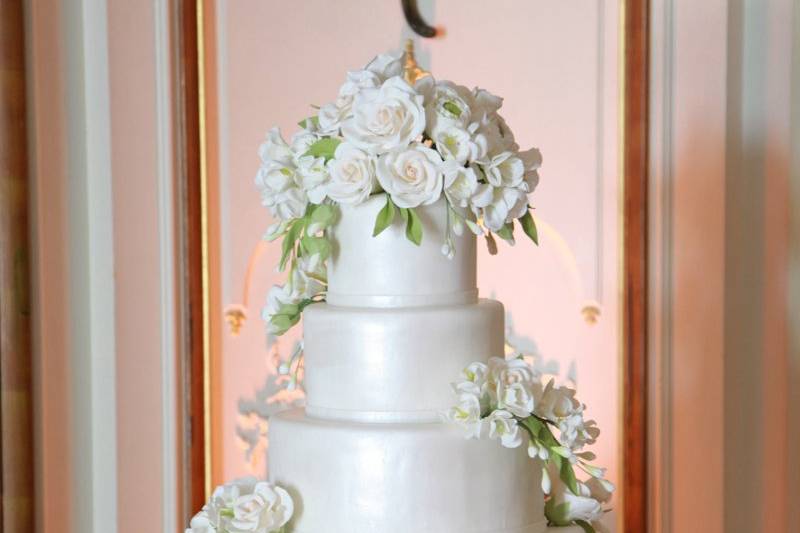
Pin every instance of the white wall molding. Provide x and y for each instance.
(660, 201)
(91, 304)
(167, 275)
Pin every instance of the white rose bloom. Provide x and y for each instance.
(460, 183)
(514, 384)
(308, 278)
(505, 170)
(275, 149)
(485, 103)
(532, 159)
(277, 179)
(467, 414)
(266, 509)
(386, 66)
(386, 118)
(499, 205)
(412, 177)
(280, 192)
(499, 137)
(503, 426)
(454, 142)
(313, 176)
(476, 373)
(578, 506)
(201, 523)
(301, 142)
(556, 402)
(333, 114)
(445, 102)
(277, 297)
(352, 173)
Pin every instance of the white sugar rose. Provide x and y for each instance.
(201, 523)
(301, 142)
(499, 205)
(460, 183)
(485, 103)
(445, 102)
(308, 277)
(503, 426)
(268, 508)
(505, 170)
(386, 66)
(386, 118)
(275, 149)
(467, 414)
(332, 115)
(455, 142)
(556, 403)
(352, 175)
(514, 384)
(280, 192)
(277, 179)
(532, 160)
(313, 177)
(564, 507)
(412, 177)
(277, 297)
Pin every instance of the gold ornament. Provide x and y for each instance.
(411, 70)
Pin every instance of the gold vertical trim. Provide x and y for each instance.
(204, 245)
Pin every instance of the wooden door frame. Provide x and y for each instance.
(17, 497)
(635, 485)
(634, 128)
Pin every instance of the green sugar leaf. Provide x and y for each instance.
(324, 147)
(384, 218)
(310, 121)
(316, 245)
(414, 227)
(321, 218)
(586, 526)
(529, 227)
(507, 232)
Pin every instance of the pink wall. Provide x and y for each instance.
(49, 279)
(136, 259)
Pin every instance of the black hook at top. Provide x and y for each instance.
(415, 20)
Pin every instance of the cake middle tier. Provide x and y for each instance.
(393, 365)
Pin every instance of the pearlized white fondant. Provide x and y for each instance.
(348, 477)
(386, 365)
(389, 270)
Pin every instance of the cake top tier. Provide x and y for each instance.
(438, 156)
(388, 270)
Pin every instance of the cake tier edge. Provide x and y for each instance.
(348, 477)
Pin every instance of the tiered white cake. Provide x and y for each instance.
(370, 454)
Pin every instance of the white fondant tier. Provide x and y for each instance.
(393, 365)
(389, 270)
(348, 477)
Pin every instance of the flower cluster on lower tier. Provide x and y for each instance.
(506, 400)
(417, 143)
(244, 506)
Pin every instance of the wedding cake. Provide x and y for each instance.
(371, 452)
(418, 416)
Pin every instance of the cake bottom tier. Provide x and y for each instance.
(390, 478)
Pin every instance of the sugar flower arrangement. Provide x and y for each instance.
(506, 400)
(414, 143)
(245, 505)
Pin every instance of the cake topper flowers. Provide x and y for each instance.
(416, 144)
